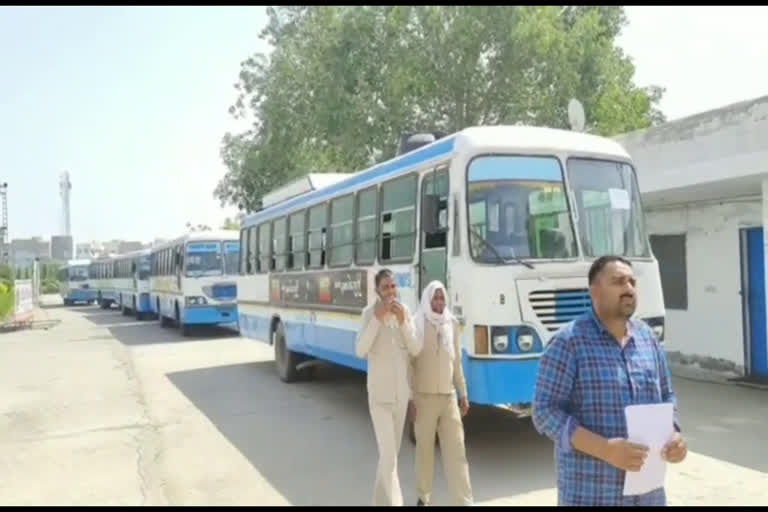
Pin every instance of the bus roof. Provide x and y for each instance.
(491, 138)
(77, 263)
(133, 254)
(202, 236)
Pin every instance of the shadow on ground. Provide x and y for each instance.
(129, 331)
(313, 441)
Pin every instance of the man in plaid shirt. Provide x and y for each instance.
(591, 370)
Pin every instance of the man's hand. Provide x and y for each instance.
(463, 405)
(626, 455)
(381, 311)
(675, 450)
(398, 311)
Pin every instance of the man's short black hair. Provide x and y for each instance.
(381, 274)
(601, 262)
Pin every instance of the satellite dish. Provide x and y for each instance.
(576, 115)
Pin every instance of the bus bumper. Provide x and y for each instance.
(81, 295)
(501, 382)
(144, 305)
(212, 315)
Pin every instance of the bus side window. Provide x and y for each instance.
(366, 227)
(318, 218)
(297, 241)
(341, 241)
(265, 241)
(243, 251)
(252, 249)
(279, 239)
(398, 219)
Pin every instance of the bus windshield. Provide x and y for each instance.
(78, 273)
(610, 216)
(231, 257)
(518, 209)
(203, 259)
(145, 266)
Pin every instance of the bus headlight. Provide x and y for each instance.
(500, 342)
(525, 342)
(196, 301)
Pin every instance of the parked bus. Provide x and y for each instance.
(74, 283)
(193, 280)
(102, 274)
(508, 217)
(132, 283)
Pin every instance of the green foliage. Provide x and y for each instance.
(231, 224)
(343, 82)
(49, 286)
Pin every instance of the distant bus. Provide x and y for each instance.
(193, 280)
(102, 274)
(510, 218)
(131, 283)
(74, 283)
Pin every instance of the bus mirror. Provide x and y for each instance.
(429, 214)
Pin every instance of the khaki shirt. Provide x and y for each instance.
(432, 371)
(386, 346)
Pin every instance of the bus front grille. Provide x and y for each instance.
(555, 308)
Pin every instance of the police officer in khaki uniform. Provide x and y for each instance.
(387, 338)
(436, 378)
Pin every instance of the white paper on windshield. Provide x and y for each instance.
(619, 198)
(653, 426)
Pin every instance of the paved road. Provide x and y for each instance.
(102, 409)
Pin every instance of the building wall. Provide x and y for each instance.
(710, 332)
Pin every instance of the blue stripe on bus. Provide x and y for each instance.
(419, 156)
(209, 315)
(489, 382)
(81, 294)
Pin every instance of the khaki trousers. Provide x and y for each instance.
(388, 423)
(440, 414)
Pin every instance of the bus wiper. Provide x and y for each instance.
(496, 252)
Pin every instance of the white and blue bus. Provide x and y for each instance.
(102, 275)
(74, 283)
(131, 283)
(193, 280)
(508, 217)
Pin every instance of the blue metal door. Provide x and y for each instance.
(758, 346)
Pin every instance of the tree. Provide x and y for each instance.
(198, 227)
(231, 224)
(342, 83)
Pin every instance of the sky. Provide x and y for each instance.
(132, 101)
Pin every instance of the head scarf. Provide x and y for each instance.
(443, 322)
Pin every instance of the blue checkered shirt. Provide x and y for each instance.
(586, 379)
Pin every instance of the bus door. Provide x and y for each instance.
(433, 241)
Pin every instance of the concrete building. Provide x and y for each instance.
(704, 185)
(25, 250)
(62, 248)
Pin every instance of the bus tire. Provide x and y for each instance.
(164, 321)
(186, 330)
(285, 360)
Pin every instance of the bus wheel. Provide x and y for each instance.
(285, 360)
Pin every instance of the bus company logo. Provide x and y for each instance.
(274, 290)
(324, 290)
(403, 280)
